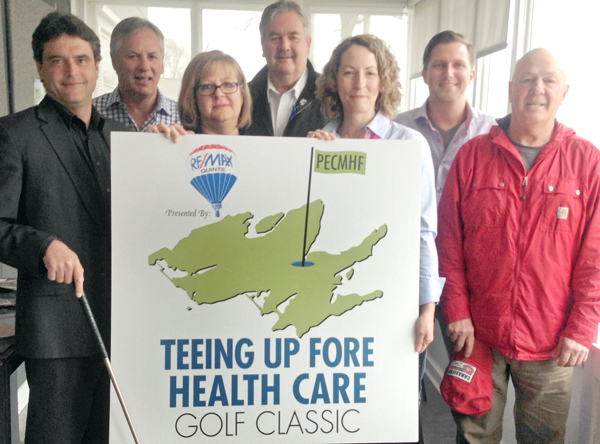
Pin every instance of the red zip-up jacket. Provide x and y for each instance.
(521, 250)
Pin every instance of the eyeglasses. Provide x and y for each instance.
(209, 89)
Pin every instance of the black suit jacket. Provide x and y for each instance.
(309, 115)
(47, 191)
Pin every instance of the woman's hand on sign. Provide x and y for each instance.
(173, 132)
(320, 134)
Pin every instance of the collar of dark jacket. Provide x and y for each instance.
(50, 105)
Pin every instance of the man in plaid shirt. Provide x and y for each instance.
(137, 51)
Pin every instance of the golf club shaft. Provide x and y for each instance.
(92, 321)
(121, 400)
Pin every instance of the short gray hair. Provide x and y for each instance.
(127, 27)
(281, 7)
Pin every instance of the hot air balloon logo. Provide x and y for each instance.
(212, 170)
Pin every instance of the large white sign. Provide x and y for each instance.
(265, 290)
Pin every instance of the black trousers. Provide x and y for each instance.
(69, 401)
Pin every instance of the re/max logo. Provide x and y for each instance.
(209, 159)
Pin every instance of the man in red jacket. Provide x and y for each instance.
(519, 245)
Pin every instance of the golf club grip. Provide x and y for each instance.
(92, 321)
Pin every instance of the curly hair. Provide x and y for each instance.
(200, 66)
(389, 98)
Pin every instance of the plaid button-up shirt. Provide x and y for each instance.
(111, 105)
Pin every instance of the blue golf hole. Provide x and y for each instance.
(306, 264)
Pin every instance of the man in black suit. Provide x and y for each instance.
(54, 224)
(284, 101)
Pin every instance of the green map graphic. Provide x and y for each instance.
(219, 262)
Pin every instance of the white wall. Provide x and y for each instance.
(25, 17)
(3, 80)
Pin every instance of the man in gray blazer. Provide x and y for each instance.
(54, 224)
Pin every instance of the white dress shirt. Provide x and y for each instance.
(430, 283)
(283, 106)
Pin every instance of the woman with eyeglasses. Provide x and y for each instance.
(214, 98)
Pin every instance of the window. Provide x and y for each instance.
(235, 33)
(490, 91)
(417, 94)
(328, 33)
(331, 29)
(560, 29)
(175, 26)
(234, 30)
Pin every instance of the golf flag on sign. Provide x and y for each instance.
(340, 162)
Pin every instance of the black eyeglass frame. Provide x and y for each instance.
(198, 88)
